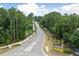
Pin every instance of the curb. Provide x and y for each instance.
(21, 42)
(43, 46)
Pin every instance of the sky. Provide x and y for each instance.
(40, 9)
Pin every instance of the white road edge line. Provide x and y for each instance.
(43, 46)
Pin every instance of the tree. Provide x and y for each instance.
(30, 16)
(13, 26)
(74, 39)
(50, 19)
(61, 26)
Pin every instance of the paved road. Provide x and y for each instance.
(32, 47)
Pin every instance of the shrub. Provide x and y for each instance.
(66, 50)
(58, 50)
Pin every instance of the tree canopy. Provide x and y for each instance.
(14, 26)
(62, 26)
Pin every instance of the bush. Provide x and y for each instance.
(8, 41)
(66, 50)
(58, 50)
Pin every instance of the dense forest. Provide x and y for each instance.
(63, 27)
(14, 26)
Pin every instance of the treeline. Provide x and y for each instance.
(14, 26)
(63, 27)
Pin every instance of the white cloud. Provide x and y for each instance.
(33, 8)
(43, 9)
(70, 9)
(1, 6)
(28, 8)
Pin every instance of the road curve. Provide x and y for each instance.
(32, 47)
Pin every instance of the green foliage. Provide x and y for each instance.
(62, 26)
(66, 50)
(14, 25)
(58, 42)
(50, 19)
(74, 39)
(8, 41)
(58, 50)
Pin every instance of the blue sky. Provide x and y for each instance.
(43, 8)
(54, 5)
(48, 5)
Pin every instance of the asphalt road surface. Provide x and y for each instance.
(32, 47)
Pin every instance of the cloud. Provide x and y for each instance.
(33, 8)
(1, 6)
(43, 9)
(69, 9)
